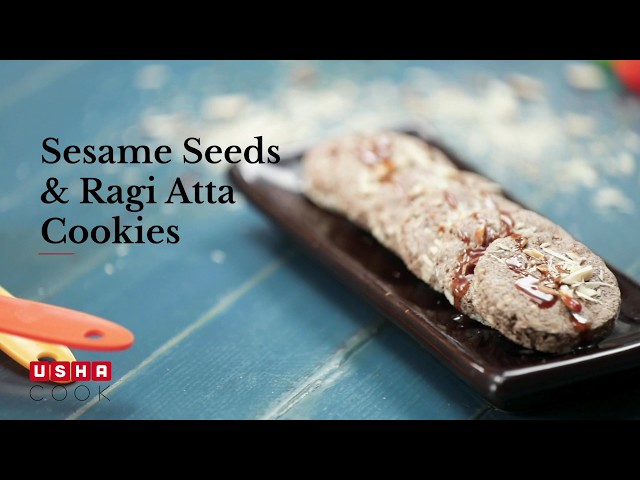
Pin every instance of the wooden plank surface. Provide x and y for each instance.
(234, 321)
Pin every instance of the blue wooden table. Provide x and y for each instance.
(235, 321)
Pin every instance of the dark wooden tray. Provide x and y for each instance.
(504, 373)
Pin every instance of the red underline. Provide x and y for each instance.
(56, 253)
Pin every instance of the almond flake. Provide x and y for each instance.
(581, 275)
(532, 252)
(587, 297)
(571, 267)
(555, 254)
(597, 284)
(587, 291)
(479, 234)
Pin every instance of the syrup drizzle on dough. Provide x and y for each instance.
(543, 290)
(442, 221)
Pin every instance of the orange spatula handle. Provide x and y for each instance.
(50, 323)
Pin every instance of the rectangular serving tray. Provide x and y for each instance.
(507, 375)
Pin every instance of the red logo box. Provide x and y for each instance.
(60, 371)
(79, 371)
(39, 371)
(101, 371)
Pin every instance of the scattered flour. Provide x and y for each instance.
(507, 124)
(608, 199)
(585, 76)
(218, 256)
(152, 77)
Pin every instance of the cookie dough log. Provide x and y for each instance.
(457, 232)
(564, 294)
(368, 178)
(466, 216)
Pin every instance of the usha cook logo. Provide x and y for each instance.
(79, 371)
(61, 329)
(67, 372)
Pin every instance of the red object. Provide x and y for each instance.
(81, 371)
(101, 371)
(53, 324)
(628, 72)
(98, 371)
(60, 371)
(39, 371)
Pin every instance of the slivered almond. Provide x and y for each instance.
(581, 275)
(571, 267)
(532, 252)
(587, 297)
(593, 283)
(555, 254)
(587, 291)
(479, 234)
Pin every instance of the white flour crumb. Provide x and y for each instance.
(161, 126)
(579, 125)
(152, 77)
(598, 148)
(578, 172)
(122, 250)
(109, 269)
(632, 142)
(622, 164)
(504, 127)
(224, 107)
(218, 256)
(304, 75)
(525, 87)
(607, 199)
(584, 76)
(626, 163)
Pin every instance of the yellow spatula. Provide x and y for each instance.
(24, 350)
